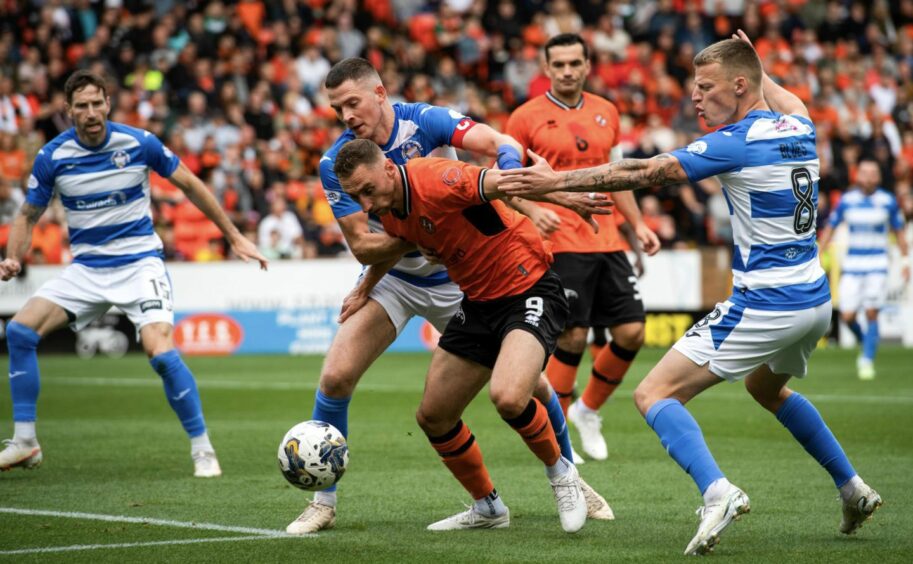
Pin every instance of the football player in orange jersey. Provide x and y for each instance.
(512, 312)
(574, 129)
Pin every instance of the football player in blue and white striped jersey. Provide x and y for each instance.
(766, 160)
(869, 212)
(100, 170)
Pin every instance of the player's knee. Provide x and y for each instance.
(337, 383)
(766, 395)
(630, 337)
(644, 397)
(432, 423)
(573, 340)
(19, 336)
(509, 403)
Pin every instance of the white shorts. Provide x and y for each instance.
(862, 291)
(401, 300)
(142, 290)
(736, 340)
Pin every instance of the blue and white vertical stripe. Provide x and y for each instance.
(104, 191)
(869, 218)
(768, 166)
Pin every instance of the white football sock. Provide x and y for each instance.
(24, 432)
(201, 443)
(563, 466)
(325, 498)
(847, 489)
(490, 505)
(716, 490)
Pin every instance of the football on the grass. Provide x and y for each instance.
(313, 455)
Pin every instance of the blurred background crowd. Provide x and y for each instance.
(235, 89)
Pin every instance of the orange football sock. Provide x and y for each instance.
(562, 375)
(595, 350)
(609, 370)
(536, 429)
(462, 456)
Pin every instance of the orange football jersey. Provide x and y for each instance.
(489, 250)
(570, 138)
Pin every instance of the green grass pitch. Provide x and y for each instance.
(113, 447)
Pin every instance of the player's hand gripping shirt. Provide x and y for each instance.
(768, 166)
(489, 250)
(105, 192)
(569, 138)
(868, 219)
(418, 131)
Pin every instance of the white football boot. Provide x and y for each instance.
(19, 455)
(572, 508)
(316, 517)
(205, 464)
(589, 425)
(859, 508)
(715, 518)
(471, 519)
(596, 505)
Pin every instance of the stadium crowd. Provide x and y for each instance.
(235, 89)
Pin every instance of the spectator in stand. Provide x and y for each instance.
(281, 219)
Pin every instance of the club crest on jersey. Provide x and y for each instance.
(698, 147)
(120, 159)
(451, 176)
(601, 121)
(783, 124)
(427, 225)
(411, 149)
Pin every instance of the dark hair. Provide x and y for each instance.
(82, 78)
(354, 154)
(735, 57)
(566, 39)
(353, 68)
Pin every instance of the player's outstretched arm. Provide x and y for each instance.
(778, 98)
(584, 205)
(626, 174)
(368, 247)
(20, 239)
(201, 197)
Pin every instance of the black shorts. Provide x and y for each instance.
(601, 289)
(476, 331)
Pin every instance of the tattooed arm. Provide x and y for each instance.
(20, 239)
(626, 174)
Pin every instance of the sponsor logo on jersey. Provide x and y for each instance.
(601, 121)
(150, 304)
(120, 158)
(451, 176)
(33, 182)
(117, 198)
(427, 225)
(698, 147)
(411, 149)
(333, 197)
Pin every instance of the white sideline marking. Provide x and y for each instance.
(239, 385)
(143, 521)
(76, 547)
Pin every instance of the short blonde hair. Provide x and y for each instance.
(735, 56)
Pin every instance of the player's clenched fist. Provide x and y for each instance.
(9, 268)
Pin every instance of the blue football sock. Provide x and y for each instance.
(559, 424)
(24, 382)
(181, 391)
(857, 331)
(870, 341)
(683, 440)
(334, 411)
(805, 423)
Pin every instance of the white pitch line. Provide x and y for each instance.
(144, 521)
(76, 547)
(282, 386)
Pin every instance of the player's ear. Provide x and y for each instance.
(380, 92)
(741, 85)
